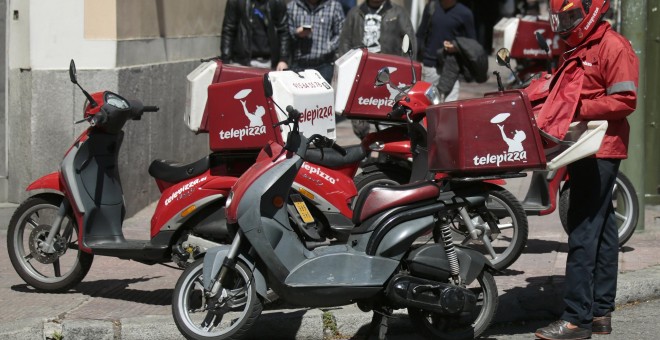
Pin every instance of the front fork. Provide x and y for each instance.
(48, 246)
(227, 264)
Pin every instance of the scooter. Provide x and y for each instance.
(521, 36)
(400, 160)
(77, 212)
(323, 193)
(447, 289)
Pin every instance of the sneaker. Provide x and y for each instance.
(602, 324)
(559, 330)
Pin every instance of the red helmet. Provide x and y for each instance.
(573, 20)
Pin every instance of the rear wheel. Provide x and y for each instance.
(28, 229)
(437, 326)
(503, 248)
(229, 315)
(624, 200)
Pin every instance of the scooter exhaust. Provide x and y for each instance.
(409, 291)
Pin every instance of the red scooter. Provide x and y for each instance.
(402, 150)
(521, 36)
(53, 236)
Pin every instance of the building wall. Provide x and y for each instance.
(137, 48)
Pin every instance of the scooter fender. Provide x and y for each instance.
(50, 182)
(213, 260)
(472, 263)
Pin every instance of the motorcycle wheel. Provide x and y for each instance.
(436, 326)
(231, 319)
(508, 212)
(28, 228)
(624, 200)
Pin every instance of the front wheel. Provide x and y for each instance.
(28, 229)
(228, 315)
(624, 200)
(436, 326)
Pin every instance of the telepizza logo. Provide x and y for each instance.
(514, 153)
(380, 101)
(317, 171)
(256, 127)
(185, 190)
(310, 115)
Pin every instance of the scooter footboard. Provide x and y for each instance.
(215, 257)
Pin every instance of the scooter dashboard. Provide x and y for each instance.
(116, 101)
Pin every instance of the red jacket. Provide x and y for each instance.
(604, 71)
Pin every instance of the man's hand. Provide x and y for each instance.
(281, 66)
(303, 32)
(449, 47)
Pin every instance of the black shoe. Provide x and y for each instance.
(602, 324)
(559, 330)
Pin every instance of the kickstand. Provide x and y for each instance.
(378, 326)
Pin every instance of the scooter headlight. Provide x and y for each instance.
(433, 95)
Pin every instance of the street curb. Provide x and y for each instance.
(541, 302)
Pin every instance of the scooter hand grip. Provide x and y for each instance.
(339, 149)
(151, 108)
(293, 113)
(397, 112)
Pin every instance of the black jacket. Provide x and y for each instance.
(471, 61)
(236, 32)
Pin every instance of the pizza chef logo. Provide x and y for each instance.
(256, 127)
(514, 139)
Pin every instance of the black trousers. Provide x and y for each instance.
(593, 241)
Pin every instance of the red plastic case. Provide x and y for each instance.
(494, 134)
(240, 117)
(356, 95)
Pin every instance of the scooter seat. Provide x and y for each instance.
(174, 172)
(332, 159)
(382, 197)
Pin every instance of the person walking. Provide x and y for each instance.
(442, 22)
(597, 81)
(315, 26)
(254, 33)
(378, 25)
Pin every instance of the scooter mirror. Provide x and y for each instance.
(503, 57)
(405, 44)
(72, 72)
(383, 77)
(542, 43)
(268, 86)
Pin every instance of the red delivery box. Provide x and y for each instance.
(211, 72)
(356, 97)
(240, 117)
(490, 135)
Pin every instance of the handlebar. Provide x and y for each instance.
(151, 108)
(293, 117)
(397, 112)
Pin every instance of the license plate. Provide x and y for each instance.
(302, 208)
